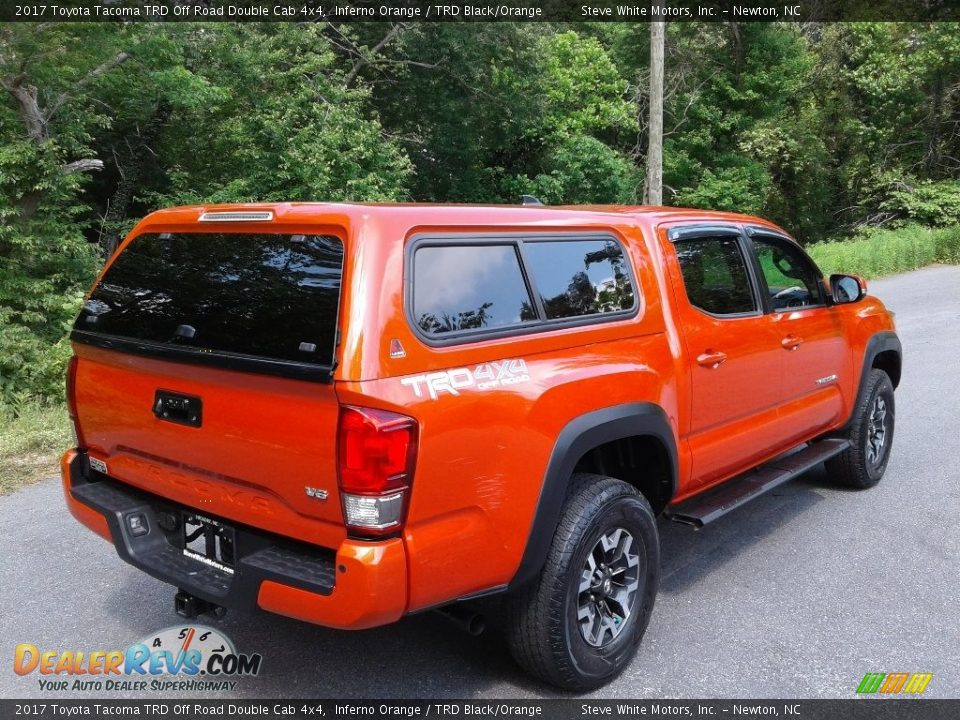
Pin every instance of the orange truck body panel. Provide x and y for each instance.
(481, 459)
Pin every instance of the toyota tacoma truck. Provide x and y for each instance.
(348, 413)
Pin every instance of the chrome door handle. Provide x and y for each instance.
(711, 358)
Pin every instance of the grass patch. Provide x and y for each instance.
(31, 443)
(879, 252)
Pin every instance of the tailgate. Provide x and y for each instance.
(204, 374)
(262, 441)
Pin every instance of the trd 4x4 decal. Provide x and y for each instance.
(485, 376)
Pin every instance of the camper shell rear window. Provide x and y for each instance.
(260, 302)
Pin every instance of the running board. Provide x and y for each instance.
(729, 495)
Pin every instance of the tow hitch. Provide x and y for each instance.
(190, 606)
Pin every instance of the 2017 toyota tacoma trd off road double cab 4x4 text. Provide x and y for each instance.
(349, 413)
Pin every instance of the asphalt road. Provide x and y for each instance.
(798, 594)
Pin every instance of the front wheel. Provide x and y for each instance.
(580, 623)
(871, 436)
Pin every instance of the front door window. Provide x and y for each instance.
(791, 280)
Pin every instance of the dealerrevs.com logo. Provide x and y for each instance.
(191, 658)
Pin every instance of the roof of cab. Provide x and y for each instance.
(443, 213)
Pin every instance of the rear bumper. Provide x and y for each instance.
(358, 585)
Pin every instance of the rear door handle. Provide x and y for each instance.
(791, 342)
(711, 358)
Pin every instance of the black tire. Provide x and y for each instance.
(860, 466)
(542, 628)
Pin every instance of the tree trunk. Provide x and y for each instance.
(655, 146)
(739, 55)
(33, 117)
(933, 159)
(37, 121)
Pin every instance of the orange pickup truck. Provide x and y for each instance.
(348, 413)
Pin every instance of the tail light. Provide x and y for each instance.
(377, 454)
(72, 400)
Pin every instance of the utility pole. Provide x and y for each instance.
(655, 146)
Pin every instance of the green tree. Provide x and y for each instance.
(50, 75)
(492, 111)
(279, 123)
(891, 91)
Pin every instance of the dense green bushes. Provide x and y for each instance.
(46, 267)
(929, 203)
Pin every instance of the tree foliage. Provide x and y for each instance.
(274, 122)
(827, 129)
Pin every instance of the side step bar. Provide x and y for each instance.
(716, 502)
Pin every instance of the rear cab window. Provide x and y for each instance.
(258, 302)
(491, 287)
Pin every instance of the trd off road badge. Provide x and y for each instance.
(396, 349)
(485, 376)
(192, 658)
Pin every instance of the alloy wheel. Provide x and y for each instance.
(877, 427)
(608, 587)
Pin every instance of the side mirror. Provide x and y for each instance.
(847, 288)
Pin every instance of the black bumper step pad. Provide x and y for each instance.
(153, 545)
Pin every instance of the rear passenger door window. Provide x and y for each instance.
(469, 287)
(715, 275)
(577, 278)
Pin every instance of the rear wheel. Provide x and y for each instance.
(580, 623)
(871, 436)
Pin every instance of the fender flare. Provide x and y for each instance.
(884, 341)
(579, 436)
